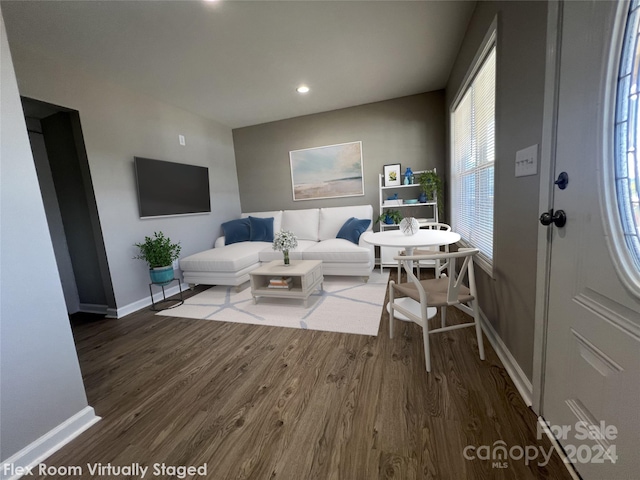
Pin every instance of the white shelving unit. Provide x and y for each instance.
(427, 211)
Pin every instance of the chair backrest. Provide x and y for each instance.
(443, 227)
(436, 226)
(455, 276)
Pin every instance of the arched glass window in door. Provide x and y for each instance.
(627, 134)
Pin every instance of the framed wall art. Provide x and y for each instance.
(327, 172)
(392, 176)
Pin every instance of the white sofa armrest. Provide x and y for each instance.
(219, 242)
(370, 247)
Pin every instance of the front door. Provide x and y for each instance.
(591, 382)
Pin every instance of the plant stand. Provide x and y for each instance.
(164, 297)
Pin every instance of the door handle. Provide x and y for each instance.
(558, 218)
(562, 181)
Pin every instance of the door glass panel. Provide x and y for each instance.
(627, 129)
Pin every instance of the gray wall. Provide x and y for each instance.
(74, 208)
(408, 130)
(508, 300)
(54, 217)
(40, 376)
(117, 125)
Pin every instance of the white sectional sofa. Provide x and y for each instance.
(316, 230)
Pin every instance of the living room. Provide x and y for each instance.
(249, 168)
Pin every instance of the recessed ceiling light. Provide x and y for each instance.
(302, 89)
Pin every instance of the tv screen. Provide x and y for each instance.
(168, 188)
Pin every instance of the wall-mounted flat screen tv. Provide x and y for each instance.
(168, 188)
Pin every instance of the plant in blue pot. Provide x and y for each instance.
(390, 217)
(432, 188)
(159, 253)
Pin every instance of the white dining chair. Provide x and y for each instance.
(435, 264)
(447, 290)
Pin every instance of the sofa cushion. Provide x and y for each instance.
(353, 228)
(261, 229)
(236, 231)
(303, 223)
(230, 258)
(333, 218)
(276, 214)
(337, 250)
(269, 254)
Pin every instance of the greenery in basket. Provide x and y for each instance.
(431, 185)
(394, 215)
(158, 251)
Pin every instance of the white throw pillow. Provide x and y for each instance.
(303, 223)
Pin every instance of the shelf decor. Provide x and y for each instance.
(327, 172)
(431, 185)
(390, 217)
(408, 206)
(409, 226)
(392, 175)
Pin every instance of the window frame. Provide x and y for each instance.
(489, 43)
(621, 256)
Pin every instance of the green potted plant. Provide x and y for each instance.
(431, 185)
(159, 253)
(390, 217)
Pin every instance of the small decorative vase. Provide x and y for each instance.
(286, 257)
(408, 174)
(388, 220)
(409, 226)
(422, 198)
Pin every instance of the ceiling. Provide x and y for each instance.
(239, 62)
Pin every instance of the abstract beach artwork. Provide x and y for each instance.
(327, 172)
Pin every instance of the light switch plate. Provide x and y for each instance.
(181, 139)
(527, 161)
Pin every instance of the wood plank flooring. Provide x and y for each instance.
(254, 402)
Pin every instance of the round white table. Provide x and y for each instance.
(422, 238)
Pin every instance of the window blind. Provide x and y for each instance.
(473, 157)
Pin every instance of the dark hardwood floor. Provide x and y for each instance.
(256, 402)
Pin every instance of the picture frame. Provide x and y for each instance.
(327, 172)
(392, 175)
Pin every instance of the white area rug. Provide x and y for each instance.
(345, 305)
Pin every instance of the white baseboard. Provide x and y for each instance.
(49, 443)
(93, 308)
(561, 453)
(145, 302)
(523, 384)
(105, 310)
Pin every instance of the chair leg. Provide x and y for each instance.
(425, 338)
(443, 317)
(391, 312)
(476, 317)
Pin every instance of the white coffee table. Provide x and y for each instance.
(306, 277)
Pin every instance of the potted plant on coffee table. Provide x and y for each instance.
(159, 253)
